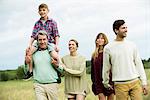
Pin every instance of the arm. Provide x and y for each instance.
(92, 71)
(56, 61)
(57, 66)
(55, 55)
(56, 35)
(106, 68)
(55, 32)
(28, 61)
(34, 33)
(28, 56)
(56, 40)
(76, 72)
(31, 42)
(140, 67)
(141, 71)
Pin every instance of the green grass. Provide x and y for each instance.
(23, 90)
(16, 90)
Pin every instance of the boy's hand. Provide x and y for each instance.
(28, 52)
(29, 47)
(28, 56)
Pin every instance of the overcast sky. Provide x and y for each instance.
(78, 19)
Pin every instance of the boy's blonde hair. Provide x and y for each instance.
(43, 6)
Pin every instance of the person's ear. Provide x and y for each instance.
(116, 31)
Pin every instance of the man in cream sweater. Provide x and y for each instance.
(122, 58)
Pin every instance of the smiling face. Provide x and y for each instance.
(42, 41)
(122, 31)
(72, 46)
(100, 40)
(43, 12)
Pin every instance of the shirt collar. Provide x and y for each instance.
(39, 49)
(48, 19)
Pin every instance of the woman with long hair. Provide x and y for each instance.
(96, 69)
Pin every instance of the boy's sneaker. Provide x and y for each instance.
(28, 75)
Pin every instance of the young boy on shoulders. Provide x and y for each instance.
(47, 25)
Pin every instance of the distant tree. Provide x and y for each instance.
(4, 76)
(20, 72)
(148, 60)
(143, 61)
(88, 63)
(146, 63)
(88, 67)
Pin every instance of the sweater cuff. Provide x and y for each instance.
(60, 68)
(144, 82)
(107, 85)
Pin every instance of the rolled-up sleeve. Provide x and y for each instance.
(55, 29)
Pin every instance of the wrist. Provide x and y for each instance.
(107, 86)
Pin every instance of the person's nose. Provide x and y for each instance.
(70, 46)
(126, 29)
(42, 41)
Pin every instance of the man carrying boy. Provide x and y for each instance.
(48, 25)
(45, 76)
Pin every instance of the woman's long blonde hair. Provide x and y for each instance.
(98, 48)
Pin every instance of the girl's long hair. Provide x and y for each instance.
(98, 48)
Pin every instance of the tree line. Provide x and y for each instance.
(19, 73)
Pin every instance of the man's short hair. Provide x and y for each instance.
(42, 32)
(76, 42)
(117, 24)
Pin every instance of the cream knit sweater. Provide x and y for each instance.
(123, 59)
(75, 74)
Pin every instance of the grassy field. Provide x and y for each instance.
(23, 90)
